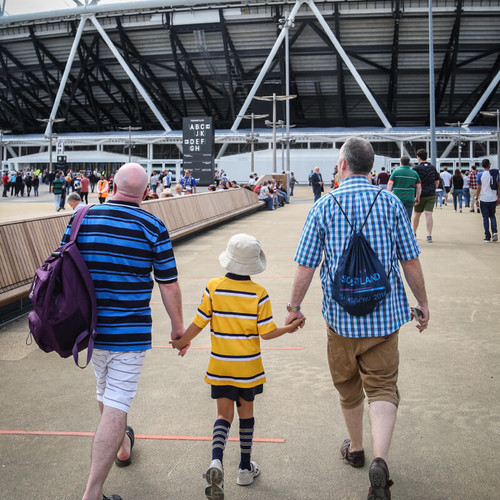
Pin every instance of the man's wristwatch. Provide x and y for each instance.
(289, 308)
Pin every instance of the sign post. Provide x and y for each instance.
(198, 148)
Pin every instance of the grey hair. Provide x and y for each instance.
(358, 154)
(74, 197)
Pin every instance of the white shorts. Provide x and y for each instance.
(117, 376)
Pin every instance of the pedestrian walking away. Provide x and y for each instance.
(429, 178)
(121, 244)
(457, 183)
(317, 184)
(473, 188)
(239, 313)
(405, 184)
(488, 198)
(446, 176)
(362, 350)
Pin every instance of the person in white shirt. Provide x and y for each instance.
(488, 197)
(446, 176)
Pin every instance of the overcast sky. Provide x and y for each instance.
(28, 6)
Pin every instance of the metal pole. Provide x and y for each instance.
(50, 143)
(283, 147)
(274, 133)
(432, 98)
(130, 143)
(459, 148)
(287, 92)
(251, 146)
(498, 139)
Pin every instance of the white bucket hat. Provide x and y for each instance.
(243, 255)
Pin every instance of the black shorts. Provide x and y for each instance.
(235, 393)
(447, 189)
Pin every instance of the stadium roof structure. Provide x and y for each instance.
(202, 57)
(150, 63)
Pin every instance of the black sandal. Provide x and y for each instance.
(125, 463)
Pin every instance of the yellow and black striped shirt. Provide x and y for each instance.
(239, 311)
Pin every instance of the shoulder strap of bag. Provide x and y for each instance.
(367, 215)
(77, 221)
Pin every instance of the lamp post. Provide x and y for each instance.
(274, 98)
(51, 122)
(497, 114)
(1, 144)
(284, 140)
(459, 125)
(130, 128)
(253, 137)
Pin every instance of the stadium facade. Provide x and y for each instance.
(354, 67)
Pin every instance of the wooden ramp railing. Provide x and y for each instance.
(25, 244)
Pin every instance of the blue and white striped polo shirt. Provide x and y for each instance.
(122, 245)
(389, 233)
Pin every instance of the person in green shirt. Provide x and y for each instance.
(406, 185)
(57, 189)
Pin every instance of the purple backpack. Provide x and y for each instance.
(64, 315)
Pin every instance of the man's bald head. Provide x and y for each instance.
(130, 182)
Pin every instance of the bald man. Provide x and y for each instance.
(121, 244)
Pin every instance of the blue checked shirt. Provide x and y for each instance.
(390, 235)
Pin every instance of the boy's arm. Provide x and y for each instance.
(278, 332)
(191, 332)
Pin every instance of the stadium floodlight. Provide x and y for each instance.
(459, 126)
(51, 122)
(130, 146)
(253, 136)
(274, 98)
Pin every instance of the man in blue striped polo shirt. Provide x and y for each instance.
(122, 245)
(362, 350)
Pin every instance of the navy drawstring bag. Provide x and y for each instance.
(360, 282)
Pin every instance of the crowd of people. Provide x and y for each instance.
(422, 188)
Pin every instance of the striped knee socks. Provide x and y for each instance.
(219, 438)
(246, 438)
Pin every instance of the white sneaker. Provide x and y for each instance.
(215, 479)
(246, 477)
(495, 237)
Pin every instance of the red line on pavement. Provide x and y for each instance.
(189, 303)
(138, 436)
(262, 348)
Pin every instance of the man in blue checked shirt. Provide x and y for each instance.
(362, 350)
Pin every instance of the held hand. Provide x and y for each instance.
(297, 323)
(291, 316)
(422, 316)
(176, 344)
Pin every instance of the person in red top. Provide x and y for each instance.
(383, 179)
(84, 188)
(473, 188)
(5, 180)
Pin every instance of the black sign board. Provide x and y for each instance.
(198, 148)
(61, 159)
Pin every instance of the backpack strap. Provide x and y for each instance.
(77, 221)
(370, 211)
(342, 210)
(367, 215)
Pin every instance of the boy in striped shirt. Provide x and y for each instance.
(239, 312)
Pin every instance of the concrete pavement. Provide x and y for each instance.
(448, 430)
